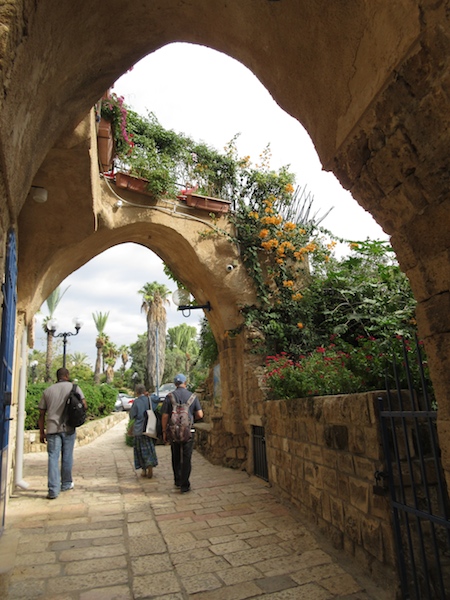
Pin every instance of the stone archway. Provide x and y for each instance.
(175, 232)
(369, 84)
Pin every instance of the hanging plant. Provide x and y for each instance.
(113, 109)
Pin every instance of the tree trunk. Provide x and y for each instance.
(109, 374)
(48, 357)
(156, 345)
(98, 363)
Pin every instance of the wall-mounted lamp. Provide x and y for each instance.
(39, 194)
(181, 299)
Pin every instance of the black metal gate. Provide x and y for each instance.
(259, 453)
(417, 486)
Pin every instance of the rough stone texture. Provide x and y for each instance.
(85, 434)
(344, 507)
(371, 86)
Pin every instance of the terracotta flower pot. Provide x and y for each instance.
(134, 184)
(105, 144)
(215, 205)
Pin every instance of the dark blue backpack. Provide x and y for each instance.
(74, 410)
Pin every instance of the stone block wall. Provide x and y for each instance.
(322, 455)
(85, 434)
(218, 445)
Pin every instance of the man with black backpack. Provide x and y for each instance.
(179, 411)
(58, 434)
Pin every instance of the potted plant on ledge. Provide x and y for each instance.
(112, 137)
(140, 164)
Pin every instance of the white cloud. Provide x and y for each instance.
(110, 283)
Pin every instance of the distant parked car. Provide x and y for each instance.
(123, 402)
(165, 389)
(157, 400)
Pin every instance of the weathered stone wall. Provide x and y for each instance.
(85, 434)
(371, 86)
(224, 437)
(322, 455)
(212, 439)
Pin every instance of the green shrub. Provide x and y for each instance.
(129, 439)
(322, 372)
(100, 400)
(341, 368)
(34, 393)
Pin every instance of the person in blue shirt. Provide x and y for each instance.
(144, 447)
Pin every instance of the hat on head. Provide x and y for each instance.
(180, 378)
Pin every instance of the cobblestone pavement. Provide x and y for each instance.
(118, 536)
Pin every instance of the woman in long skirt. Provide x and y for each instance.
(144, 447)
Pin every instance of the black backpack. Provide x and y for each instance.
(74, 411)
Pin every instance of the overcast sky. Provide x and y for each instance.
(210, 97)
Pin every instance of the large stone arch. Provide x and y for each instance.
(368, 81)
(82, 218)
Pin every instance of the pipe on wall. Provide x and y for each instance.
(18, 480)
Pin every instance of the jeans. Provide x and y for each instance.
(181, 463)
(60, 443)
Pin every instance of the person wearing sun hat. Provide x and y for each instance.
(181, 451)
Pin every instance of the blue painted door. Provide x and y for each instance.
(9, 291)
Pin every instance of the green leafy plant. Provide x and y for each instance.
(100, 400)
(341, 368)
(113, 109)
(129, 439)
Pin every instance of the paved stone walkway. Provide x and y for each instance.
(118, 536)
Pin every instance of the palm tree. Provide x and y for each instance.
(154, 295)
(52, 303)
(80, 367)
(125, 356)
(78, 359)
(100, 323)
(110, 355)
(183, 337)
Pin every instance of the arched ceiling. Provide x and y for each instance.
(323, 62)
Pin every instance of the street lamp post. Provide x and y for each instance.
(33, 365)
(135, 378)
(52, 326)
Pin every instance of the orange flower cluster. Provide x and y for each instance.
(253, 215)
(311, 247)
(288, 283)
(269, 244)
(289, 226)
(300, 253)
(263, 233)
(273, 220)
(286, 245)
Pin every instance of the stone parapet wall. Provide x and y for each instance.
(85, 434)
(322, 455)
(221, 447)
